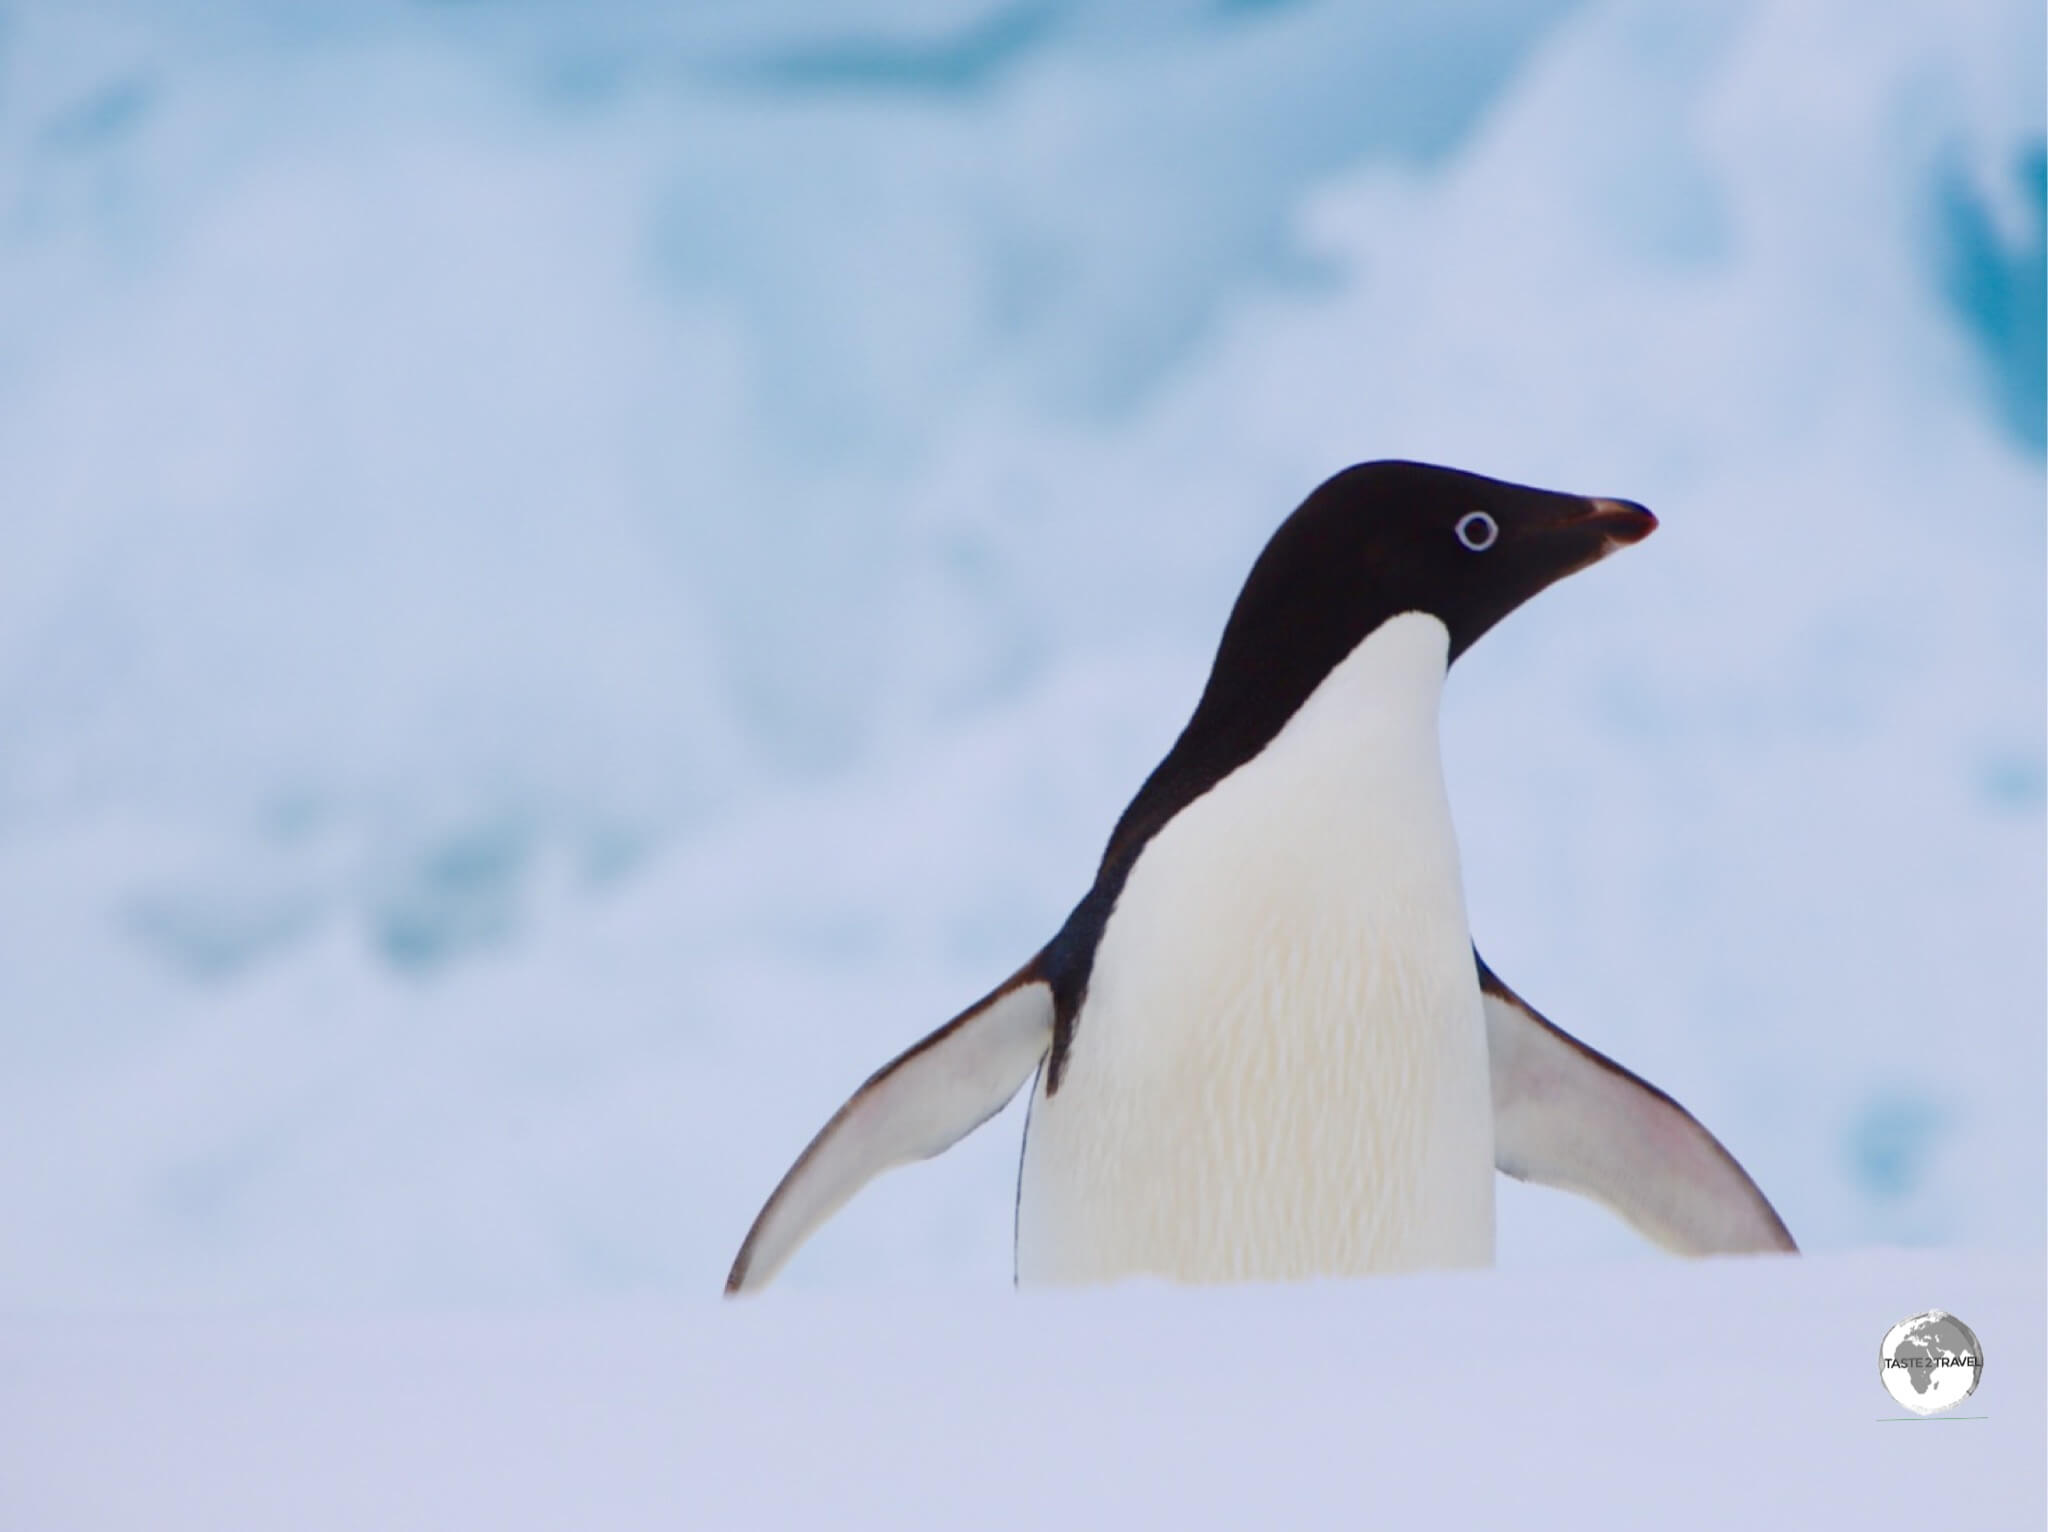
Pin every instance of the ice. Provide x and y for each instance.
(572, 581)
(1729, 1393)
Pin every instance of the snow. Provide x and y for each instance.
(1674, 1395)
(575, 579)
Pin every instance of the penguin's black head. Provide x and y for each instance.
(1381, 539)
(1372, 543)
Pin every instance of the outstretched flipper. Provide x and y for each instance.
(925, 1100)
(1566, 1116)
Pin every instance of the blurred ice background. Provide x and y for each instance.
(573, 577)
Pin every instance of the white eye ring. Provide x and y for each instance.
(1478, 531)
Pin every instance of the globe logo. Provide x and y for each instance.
(1931, 1362)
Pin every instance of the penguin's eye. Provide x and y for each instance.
(1477, 531)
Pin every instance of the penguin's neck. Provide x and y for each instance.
(1372, 723)
(1350, 793)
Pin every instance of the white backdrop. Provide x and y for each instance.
(574, 580)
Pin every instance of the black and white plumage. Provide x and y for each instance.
(1264, 1044)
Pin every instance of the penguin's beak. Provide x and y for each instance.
(1583, 532)
(1619, 523)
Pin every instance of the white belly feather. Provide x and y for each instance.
(1281, 1066)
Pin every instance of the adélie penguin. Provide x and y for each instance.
(1264, 1044)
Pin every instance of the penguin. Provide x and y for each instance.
(1263, 1046)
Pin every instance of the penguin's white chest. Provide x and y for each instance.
(1280, 1069)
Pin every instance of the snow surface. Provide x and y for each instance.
(1720, 1394)
(571, 579)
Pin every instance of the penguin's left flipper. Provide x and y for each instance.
(1566, 1116)
(925, 1100)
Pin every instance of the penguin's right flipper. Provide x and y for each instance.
(1566, 1116)
(919, 1103)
